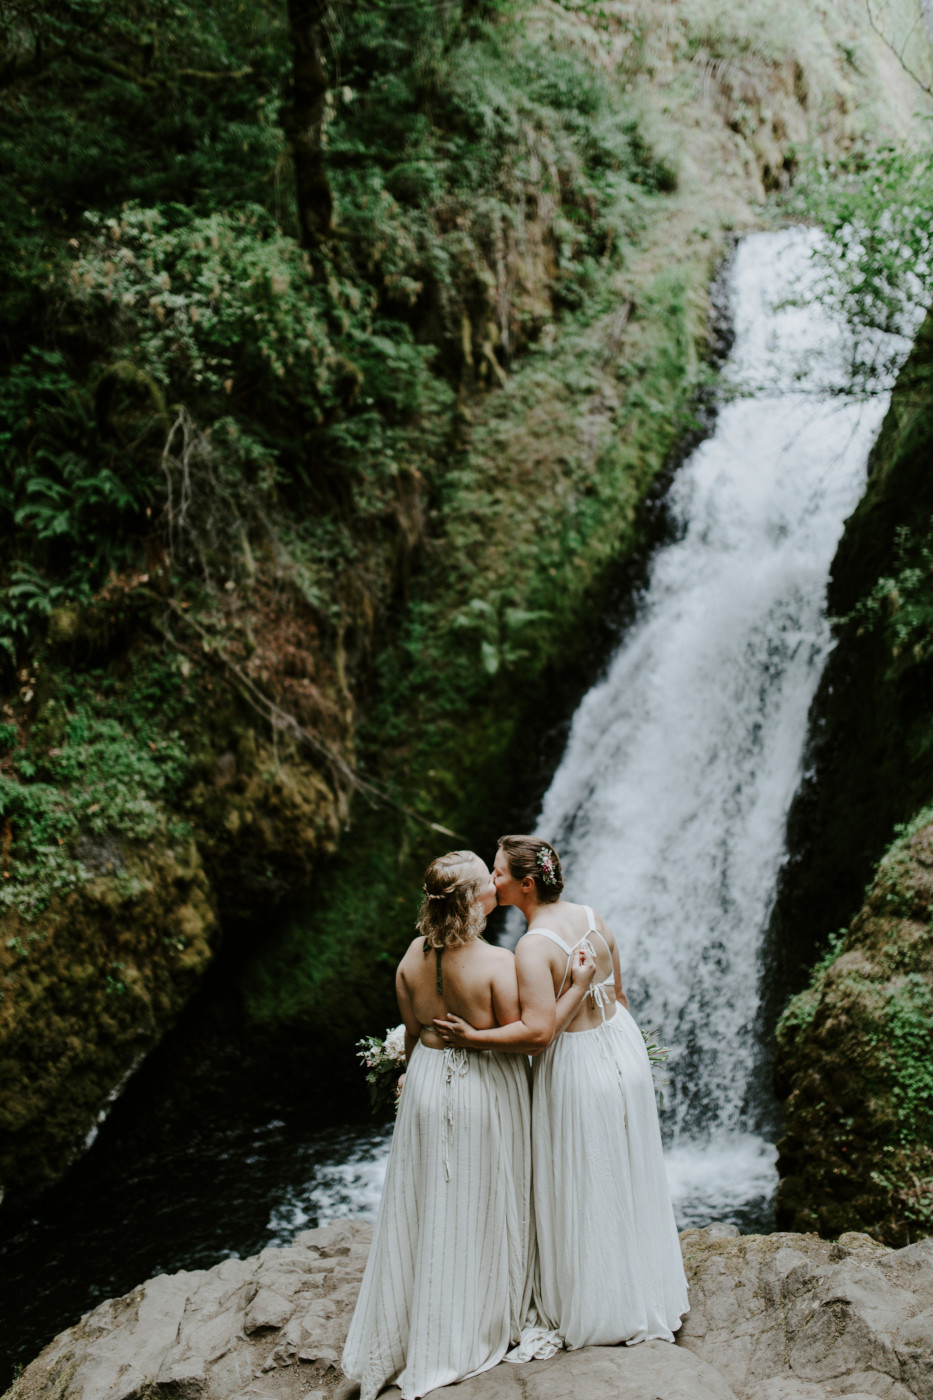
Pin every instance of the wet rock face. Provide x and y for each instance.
(87, 992)
(854, 1064)
(781, 1317)
(854, 1049)
(92, 983)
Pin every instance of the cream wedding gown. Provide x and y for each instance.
(609, 1262)
(447, 1287)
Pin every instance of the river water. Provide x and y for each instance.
(668, 806)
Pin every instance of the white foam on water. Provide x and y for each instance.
(733, 1176)
(335, 1190)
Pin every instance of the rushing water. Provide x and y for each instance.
(670, 802)
(668, 807)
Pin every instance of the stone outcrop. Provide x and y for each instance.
(88, 992)
(780, 1317)
(794, 1317)
(854, 1064)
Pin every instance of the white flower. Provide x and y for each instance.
(394, 1044)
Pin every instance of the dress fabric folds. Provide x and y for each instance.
(609, 1263)
(448, 1284)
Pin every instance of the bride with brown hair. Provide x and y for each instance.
(609, 1263)
(447, 1287)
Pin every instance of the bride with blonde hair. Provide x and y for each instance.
(447, 1287)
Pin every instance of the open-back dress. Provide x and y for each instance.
(609, 1263)
(447, 1287)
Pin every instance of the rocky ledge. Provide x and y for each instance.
(773, 1317)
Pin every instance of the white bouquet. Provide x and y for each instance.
(384, 1061)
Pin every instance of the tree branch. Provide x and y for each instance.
(222, 77)
(924, 87)
(281, 720)
(122, 70)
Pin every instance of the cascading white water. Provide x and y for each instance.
(670, 802)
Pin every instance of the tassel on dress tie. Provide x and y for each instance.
(455, 1063)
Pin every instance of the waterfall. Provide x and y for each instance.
(670, 802)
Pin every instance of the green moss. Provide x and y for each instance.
(903, 1040)
(535, 533)
(854, 1058)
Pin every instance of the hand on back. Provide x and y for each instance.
(583, 967)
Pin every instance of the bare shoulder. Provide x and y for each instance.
(413, 955)
(603, 927)
(499, 957)
(532, 948)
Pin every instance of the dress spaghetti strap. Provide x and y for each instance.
(554, 937)
(591, 928)
(596, 991)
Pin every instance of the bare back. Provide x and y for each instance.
(478, 983)
(570, 924)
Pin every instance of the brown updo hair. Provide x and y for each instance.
(521, 852)
(450, 913)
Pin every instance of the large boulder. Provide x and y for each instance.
(795, 1317)
(779, 1317)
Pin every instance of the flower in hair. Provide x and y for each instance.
(546, 865)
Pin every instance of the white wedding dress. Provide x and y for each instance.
(609, 1263)
(447, 1287)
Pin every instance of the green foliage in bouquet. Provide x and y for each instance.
(384, 1061)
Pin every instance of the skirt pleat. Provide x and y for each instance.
(609, 1263)
(447, 1287)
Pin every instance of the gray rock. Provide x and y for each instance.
(654, 1369)
(874, 1383)
(915, 1263)
(344, 1389)
(267, 1312)
(779, 1317)
(183, 1380)
(787, 1388)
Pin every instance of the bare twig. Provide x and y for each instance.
(161, 80)
(224, 76)
(899, 55)
(619, 323)
(281, 720)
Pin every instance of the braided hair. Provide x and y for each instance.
(450, 913)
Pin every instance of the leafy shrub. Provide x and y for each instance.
(877, 209)
(94, 776)
(904, 1040)
(223, 303)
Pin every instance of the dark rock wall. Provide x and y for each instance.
(854, 1047)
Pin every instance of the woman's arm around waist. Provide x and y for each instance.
(541, 1017)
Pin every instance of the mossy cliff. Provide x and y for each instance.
(856, 1046)
(855, 1062)
(871, 760)
(293, 536)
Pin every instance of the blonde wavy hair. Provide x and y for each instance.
(450, 914)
